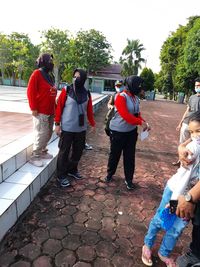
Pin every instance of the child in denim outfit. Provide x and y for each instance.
(178, 184)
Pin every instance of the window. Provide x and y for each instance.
(109, 85)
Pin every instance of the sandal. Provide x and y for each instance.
(168, 261)
(146, 256)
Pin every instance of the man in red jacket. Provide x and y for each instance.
(41, 94)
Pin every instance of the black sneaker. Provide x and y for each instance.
(108, 179)
(75, 175)
(188, 260)
(130, 185)
(63, 182)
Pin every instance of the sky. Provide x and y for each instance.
(150, 21)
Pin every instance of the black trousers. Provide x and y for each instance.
(71, 147)
(126, 143)
(195, 244)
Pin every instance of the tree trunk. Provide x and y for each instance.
(20, 69)
(14, 78)
(56, 76)
(2, 74)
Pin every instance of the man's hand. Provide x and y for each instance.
(110, 106)
(184, 155)
(145, 126)
(34, 113)
(185, 209)
(58, 130)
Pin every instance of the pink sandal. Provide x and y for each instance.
(168, 261)
(146, 256)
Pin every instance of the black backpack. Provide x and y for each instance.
(110, 114)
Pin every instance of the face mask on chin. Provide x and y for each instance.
(197, 90)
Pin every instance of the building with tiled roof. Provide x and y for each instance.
(103, 80)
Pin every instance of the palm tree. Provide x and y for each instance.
(131, 57)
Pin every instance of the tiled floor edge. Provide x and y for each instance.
(17, 209)
(18, 157)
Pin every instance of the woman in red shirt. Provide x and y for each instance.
(41, 94)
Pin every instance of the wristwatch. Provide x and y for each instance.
(188, 197)
(57, 123)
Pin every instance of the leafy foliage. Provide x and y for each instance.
(17, 54)
(91, 49)
(57, 42)
(131, 57)
(149, 79)
(192, 49)
(180, 57)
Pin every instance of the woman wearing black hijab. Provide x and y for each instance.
(41, 94)
(74, 107)
(123, 130)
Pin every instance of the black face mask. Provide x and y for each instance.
(45, 61)
(78, 83)
(49, 66)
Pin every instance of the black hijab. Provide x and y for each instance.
(80, 81)
(134, 84)
(79, 88)
(45, 64)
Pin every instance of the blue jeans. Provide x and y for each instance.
(171, 236)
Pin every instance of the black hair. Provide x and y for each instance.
(195, 117)
(197, 79)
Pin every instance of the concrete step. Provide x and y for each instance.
(20, 188)
(14, 155)
(20, 181)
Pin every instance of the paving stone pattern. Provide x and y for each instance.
(95, 224)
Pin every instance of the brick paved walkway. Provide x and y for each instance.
(94, 224)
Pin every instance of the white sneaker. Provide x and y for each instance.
(36, 162)
(46, 156)
(88, 147)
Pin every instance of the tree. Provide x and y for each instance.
(149, 79)
(57, 42)
(169, 56)
(180, 57)
(192, 49)
(159, 81)
(17, 55)
(4, 53)
(91, 50)
(131, 57)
